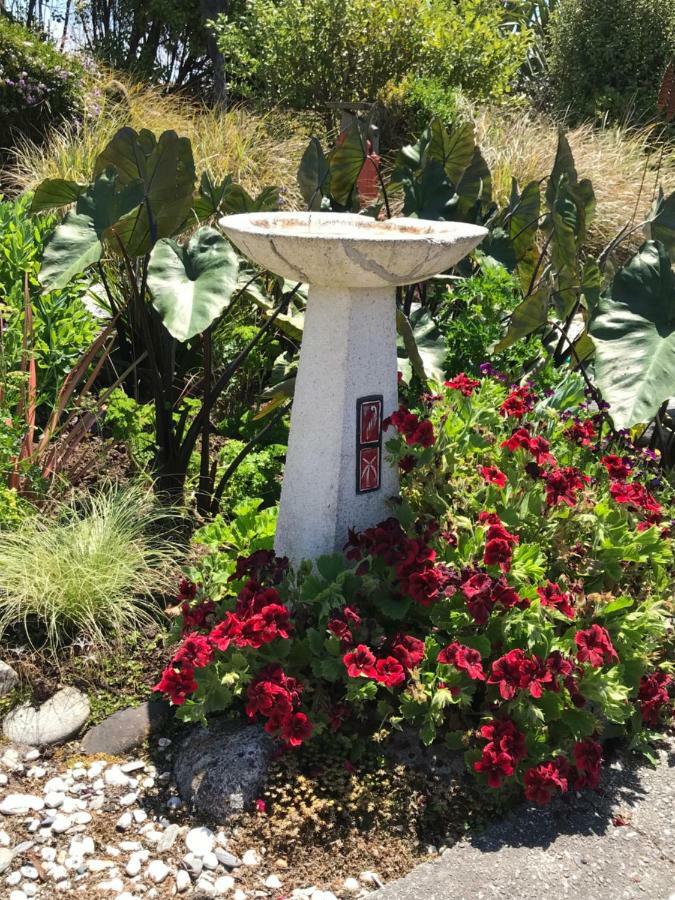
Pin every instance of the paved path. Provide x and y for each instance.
(570, 849)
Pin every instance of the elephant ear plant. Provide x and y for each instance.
(166, 296)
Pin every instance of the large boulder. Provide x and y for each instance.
(56, 720)
(220, 770)
(127, 728)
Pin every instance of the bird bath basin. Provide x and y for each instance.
(336, 477)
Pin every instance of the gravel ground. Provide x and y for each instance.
(618, 842)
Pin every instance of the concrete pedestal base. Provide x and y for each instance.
(348, 353)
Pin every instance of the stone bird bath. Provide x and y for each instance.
(336, 477)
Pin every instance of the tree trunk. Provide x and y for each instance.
(66, 22)
(211, 9)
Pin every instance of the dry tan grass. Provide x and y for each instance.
(256, 150)
(522, 144)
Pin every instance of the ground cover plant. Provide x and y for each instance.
(514, 606)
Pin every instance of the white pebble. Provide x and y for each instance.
(352, 885)
(36, 772)
(240, 895)
(128, 799)
(57, 873)
(31, 755)
(100, 865)
(61, 824)
(54, 799)
(199, 841)
(273, 881)
(3, 779)
(183, 881)
(132, 766)
(115, 777)
(18, 895)
(370, 878)
(193, 863)
(157, 871)
(13, 879)
(81, 846)
(205, 888)
(63, 885)
(4, 839)
(81, 818)
(115, 885)
(29, 888)
(124, 822)
(140, 816)
(20, 804)
(223, 885)
(29, 872)
(251, 858)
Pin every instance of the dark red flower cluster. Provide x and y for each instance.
(618, 467)
(582, 432)
(414, 430)
(636, 496)
(504, 750)
(563, 485)
(262, 566)
(463, 658)
(276, 697)
(519, 402)
(499, 542)
(197, 616)
(177, 683)
(653, 696)
(187, 590)
(515, 671)
(483, 593)
(543, 781)
(463, 384)
(538, 446)
(594, 646)
(587, 759)
(493, 475)
(362, 662)
(342, 625)
(551, 595)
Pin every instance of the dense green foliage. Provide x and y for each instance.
(39, 86)
(609, 57)
(304, 54)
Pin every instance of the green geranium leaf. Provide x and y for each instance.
(634, 337)
(191, 286)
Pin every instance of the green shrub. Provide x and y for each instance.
(609, 57)
(86, 574)
(471, 319)
(258, 475)
(39, 86)
(412, 103)
(304, 53)
(133, 423)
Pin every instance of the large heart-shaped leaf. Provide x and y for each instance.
(452, 149)
(527, 317)
(634, 337)
(562, 166)
(661, 223)
(166, 172)
(429, 194)
(474, 186)
(314, 175)
(345, 164)
(54, 193)
(191, 286)
(76, 243)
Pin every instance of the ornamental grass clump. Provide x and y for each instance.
(88, 573)
(516, 607)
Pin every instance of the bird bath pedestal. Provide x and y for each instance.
(336, 475)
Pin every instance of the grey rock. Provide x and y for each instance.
(56, 720)
(225, 858)
(221, 769)
(8, 679)
(127, 728)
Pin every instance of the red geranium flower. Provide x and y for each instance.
(653, 696)
(507, 673)
(195, 651)
(389, 672)
(466, 659)
(520, 439)
(177, 684)
(594, 646)
(414, 430)
(518, 402)
(617, 467)
(360, 661)
(493, 475)
(295, 729)
(582, 433)
(551, 595)
(635, 495)
(563, 485)
(463, 383)
(502, 733)
(543, 781)
(495, 764)
(195, 616)
(479, 600)
(225, 632)
(408, 650)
